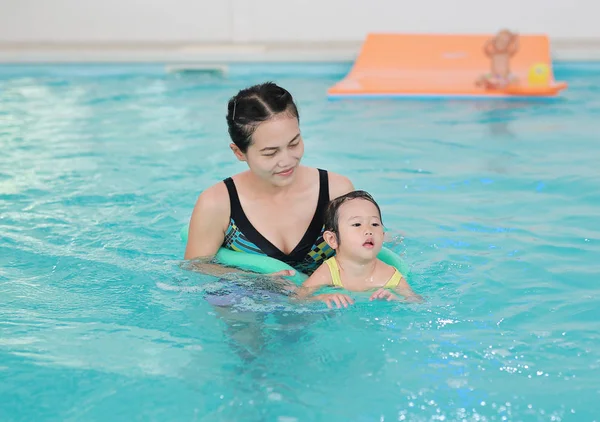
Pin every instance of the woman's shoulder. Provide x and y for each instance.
(219, 192)
(339, 185)
(213, 201)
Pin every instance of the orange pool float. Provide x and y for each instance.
(428, 65)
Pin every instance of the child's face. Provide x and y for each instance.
(360, 232)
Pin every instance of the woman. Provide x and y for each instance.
(276, 207)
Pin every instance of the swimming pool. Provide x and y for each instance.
(494, 204)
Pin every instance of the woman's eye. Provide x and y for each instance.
(375, 224)
(294, 145)
(269, 155)
(356, 225)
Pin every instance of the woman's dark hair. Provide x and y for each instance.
(332, 211)
(254, 105)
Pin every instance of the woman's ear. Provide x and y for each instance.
(331, 239)
(238, 152)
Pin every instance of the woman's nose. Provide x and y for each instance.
(284, 159)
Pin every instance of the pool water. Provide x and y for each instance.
(493, 204)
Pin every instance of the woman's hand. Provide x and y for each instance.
(337, 299)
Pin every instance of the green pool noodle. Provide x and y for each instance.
(263, 264)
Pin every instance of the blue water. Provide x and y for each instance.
(494, 204)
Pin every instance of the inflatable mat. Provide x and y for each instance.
(421, 65)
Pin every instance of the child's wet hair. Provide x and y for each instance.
(333, 208)
(254, 105)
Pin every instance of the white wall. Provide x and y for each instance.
(351, 19)
(283, 20)
(56, 21)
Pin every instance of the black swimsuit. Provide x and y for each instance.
(310, 253)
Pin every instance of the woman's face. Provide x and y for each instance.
(276, 150)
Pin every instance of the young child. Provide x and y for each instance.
(499, 49)
(353, 228)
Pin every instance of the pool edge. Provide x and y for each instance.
(223, 53)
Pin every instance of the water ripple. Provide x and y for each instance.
(494, 206)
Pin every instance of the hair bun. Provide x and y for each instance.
(254, 105)
(281, 93)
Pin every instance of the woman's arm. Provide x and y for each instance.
(208, 223)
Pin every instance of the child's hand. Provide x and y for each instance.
(384, 294)
(335, 298)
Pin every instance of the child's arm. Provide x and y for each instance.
(488, 47)
(321, 277)
(403, 289)
(514, 45)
